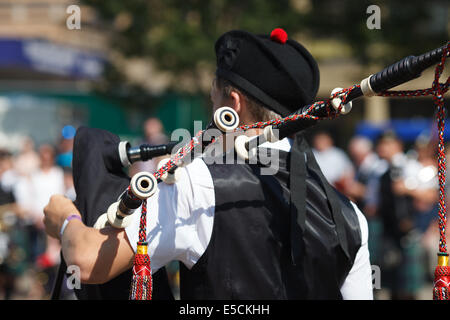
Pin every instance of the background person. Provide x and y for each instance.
(334, 163)
(153, 135)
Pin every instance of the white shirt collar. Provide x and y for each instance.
(283, 144)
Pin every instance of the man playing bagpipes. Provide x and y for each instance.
(237, 232)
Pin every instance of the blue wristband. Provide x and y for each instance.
(66, 222)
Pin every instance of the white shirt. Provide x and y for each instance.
(180, 221)
(415, 174)
(33, 193)
(334, 163)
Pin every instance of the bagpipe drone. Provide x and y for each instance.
(107, 196)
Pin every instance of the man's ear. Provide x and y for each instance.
(236, 101)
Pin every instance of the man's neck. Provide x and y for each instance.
(254, 132)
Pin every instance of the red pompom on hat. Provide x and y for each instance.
(279, 35)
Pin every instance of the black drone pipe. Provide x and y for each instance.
(146, 152)
(404, 70)
(128, 203)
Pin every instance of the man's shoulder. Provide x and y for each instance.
(196, 173)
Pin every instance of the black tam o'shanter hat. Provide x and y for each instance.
(276, 71)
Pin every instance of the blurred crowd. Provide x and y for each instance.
(28, 258)
(397, 190)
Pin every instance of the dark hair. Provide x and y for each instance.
(5, 154)
(256, 109)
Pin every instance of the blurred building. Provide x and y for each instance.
(49, 72)
(46, 70)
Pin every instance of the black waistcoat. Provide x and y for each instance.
(264, 247)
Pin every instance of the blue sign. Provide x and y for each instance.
(407, 129)
(45, 56)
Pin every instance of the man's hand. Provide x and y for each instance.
(56, 211)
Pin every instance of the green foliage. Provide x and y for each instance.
(180, 34)
(407, 27)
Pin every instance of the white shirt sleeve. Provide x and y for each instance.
(358, 284)
(179, 218)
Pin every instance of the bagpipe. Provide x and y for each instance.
(107, 196)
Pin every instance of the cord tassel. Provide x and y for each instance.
(441, 285)
(141, 284)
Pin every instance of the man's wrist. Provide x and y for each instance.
(66, 222)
